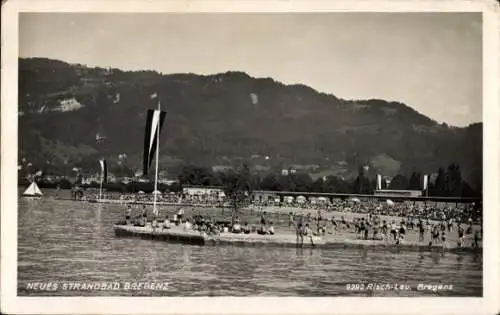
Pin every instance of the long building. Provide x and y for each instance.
(396, 196)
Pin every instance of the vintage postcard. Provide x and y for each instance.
(233, 157)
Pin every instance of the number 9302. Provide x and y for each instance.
(355, 286)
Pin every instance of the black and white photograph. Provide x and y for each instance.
(251, 154)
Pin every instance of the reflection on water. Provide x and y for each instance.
(62, 240)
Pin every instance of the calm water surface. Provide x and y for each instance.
(61, 241)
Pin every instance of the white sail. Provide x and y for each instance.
(33, 190)
(37, 190)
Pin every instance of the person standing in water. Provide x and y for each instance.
(155, 215)
(180, 214)
(290, 220)
(460, 236)
(144, 216)
(476, 239)
(299, 230)
(421, 231)
(308, 233)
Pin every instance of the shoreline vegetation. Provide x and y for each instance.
(446, 182)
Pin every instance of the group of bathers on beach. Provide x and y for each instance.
(370, 228)
(374, 228)
(198, 223)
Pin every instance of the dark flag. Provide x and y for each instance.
(104, 170)
(155, 119)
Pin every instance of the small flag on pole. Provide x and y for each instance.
(388, 182)
(155, 119)
(104, 170)
(153, 96)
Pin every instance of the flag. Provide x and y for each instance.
(99, 138)
(379, 182)
(388, 182)
(153, 96)
(116, 99)
(154, 122)
(426, 180)
(39, 173)
(104, 170)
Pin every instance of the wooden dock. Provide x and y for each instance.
(178, 234)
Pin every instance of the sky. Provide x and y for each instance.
(429, 61)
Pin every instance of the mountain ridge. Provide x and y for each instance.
(228, 117)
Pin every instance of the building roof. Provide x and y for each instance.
(202, 187)
(337, 195)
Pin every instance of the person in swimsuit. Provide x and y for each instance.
(421, 231)
(180, 214)
(402, 231)
(469, 229)
(443, 237)
(270, 231)
(460, 236)
(290, 220)
(384, 229)
(300, 234)
(144, 216)
(262, 219)
(435, 235)
(476, 239)
(128, 214)
(376, 232)
(334, 223)
(308, 233)
(393, 230)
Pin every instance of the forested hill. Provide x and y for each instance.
(221, 119)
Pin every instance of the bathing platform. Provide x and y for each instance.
(178, 234)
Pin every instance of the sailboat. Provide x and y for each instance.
(32, 191)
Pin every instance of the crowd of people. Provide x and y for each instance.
(436, 211)
(201, 223)
(374, 227)
(141, 197)
(464, 213)
(369, 226)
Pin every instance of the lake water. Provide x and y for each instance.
(62, 241)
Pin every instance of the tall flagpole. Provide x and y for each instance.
(157, 153)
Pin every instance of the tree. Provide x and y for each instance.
(319, 185)
(455, 183)
(361, 183)
(302, 181)
(335, 184)
(198, 176)
(238, 187)
(414, 183)
(439, 188)
(270, 182)
(399, 182)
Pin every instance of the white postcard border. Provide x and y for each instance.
(10, 303)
